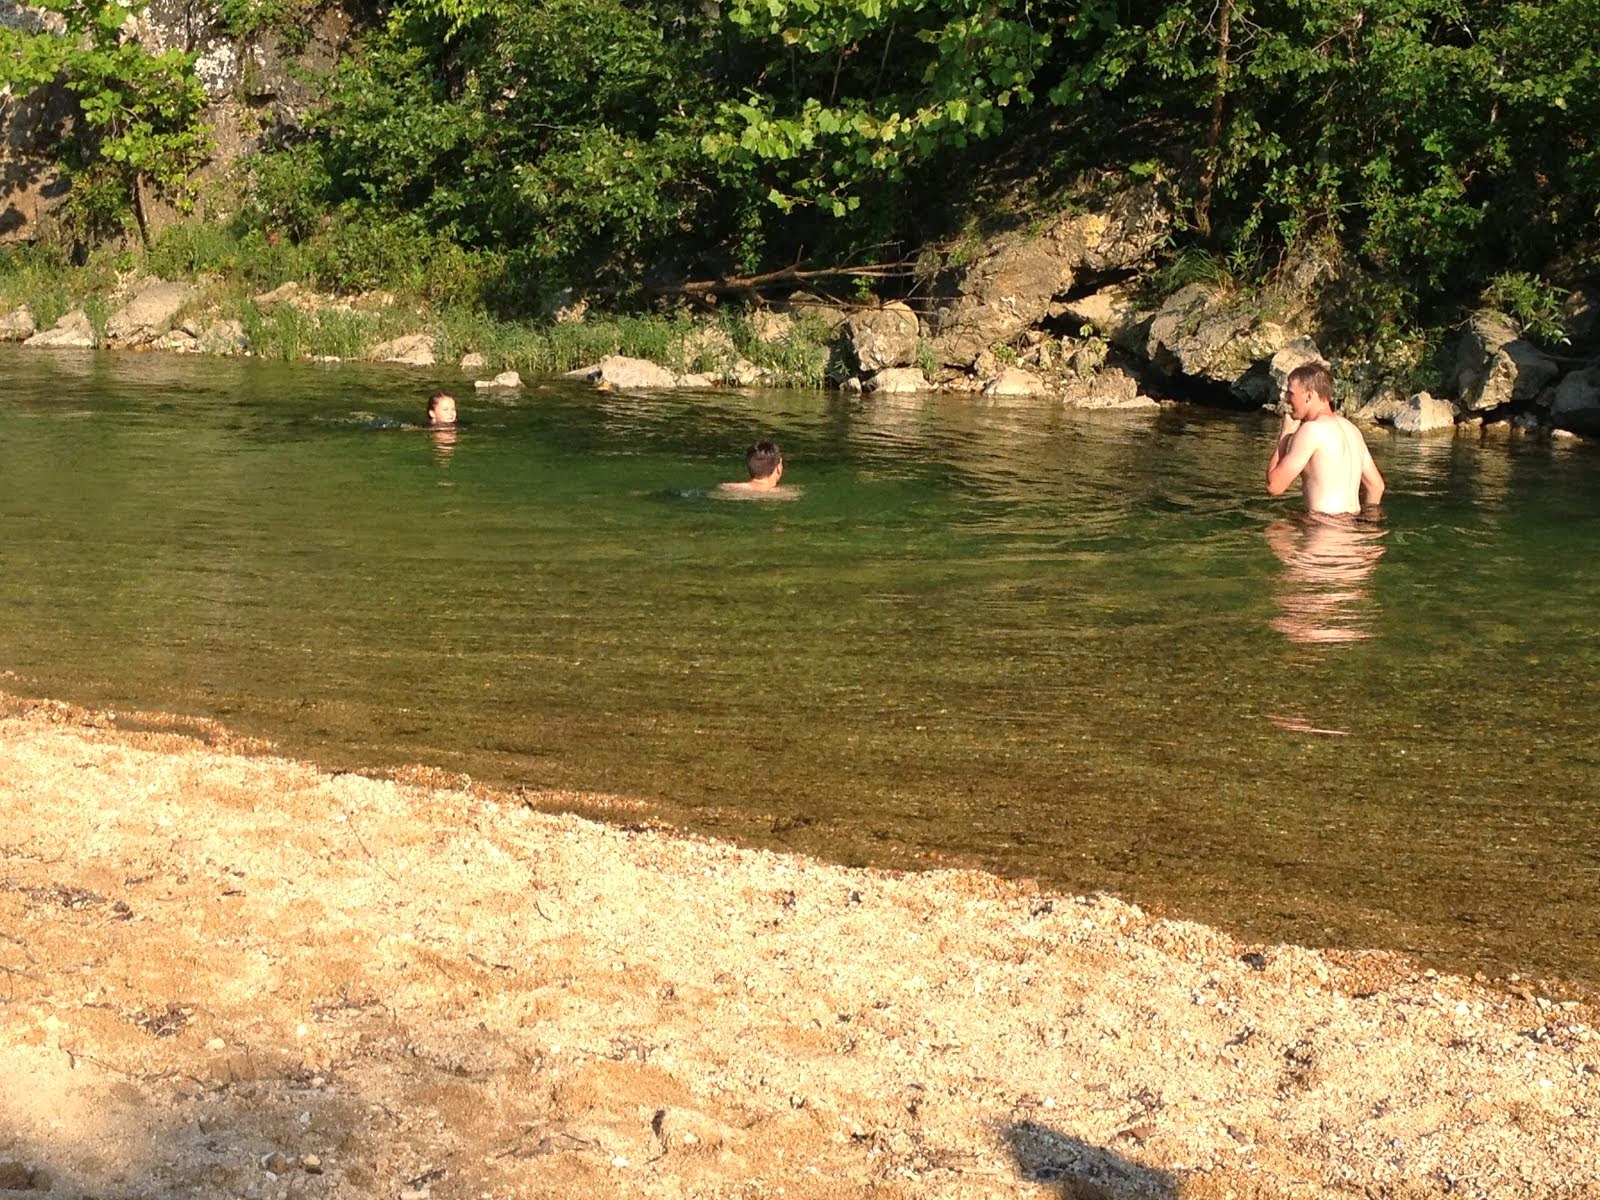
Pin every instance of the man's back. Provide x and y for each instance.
(1331, 478)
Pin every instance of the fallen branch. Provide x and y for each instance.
(788, 275)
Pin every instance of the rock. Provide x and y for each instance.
(1210, 334)
(1112, 313)
(412, 350)
(1381, 408)
(883, 337)
(17, 325)
(473, 361)
(1494, 366)
(1575, 401)
(619, 371)
(1014, 381)
(178, 341)
(1110, 388)
(895, 381)
(283, 294)
(73, 331)
(223, 337)
(851, 385)
(506, 379)
(1011, 285)
(148, 315)
(1424, 414)
(698, 379)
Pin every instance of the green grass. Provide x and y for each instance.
(231, 269)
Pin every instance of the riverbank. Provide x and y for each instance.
(1212, 345)
(231, 974)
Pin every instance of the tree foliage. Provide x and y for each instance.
(141, 111)
(1435, 144)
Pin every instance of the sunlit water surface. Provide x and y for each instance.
(1081, 647)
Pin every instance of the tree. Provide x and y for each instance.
(140, 111)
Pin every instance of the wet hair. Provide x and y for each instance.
(1316, 377)
(763, 459)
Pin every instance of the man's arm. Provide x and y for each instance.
(1371, 481)
(1293, 451)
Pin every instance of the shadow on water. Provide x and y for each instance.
(1080, 1170)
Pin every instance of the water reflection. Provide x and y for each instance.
(1323, 593)
(444, 444)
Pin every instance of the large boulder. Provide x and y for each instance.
(1424, 414)
(149, 314)
(898, 381)
(624, 373)
(17, 325)
(217, 337)
(73, 332)
(1014, 381)
(1496, 367)
(1380, 408)
(1112, 387)
(883, 337)
(1213, 334)
(1012, 284)
(412, 350)
(1575, 401)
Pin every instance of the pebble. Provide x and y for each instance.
(311, 1163)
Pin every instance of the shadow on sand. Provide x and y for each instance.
(1081, 1170)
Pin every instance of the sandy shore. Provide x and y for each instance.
(233, 975)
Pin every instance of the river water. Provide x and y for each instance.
(1083, 647)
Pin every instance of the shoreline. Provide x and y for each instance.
(235, 974)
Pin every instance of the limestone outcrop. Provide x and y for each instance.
(1014, 281)
(883, 337)
(1496, 367)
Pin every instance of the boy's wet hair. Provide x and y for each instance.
(763, 459)
(1313, 375)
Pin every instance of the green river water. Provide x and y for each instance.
(1081, 647)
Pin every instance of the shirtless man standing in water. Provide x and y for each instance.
(1326, 452)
